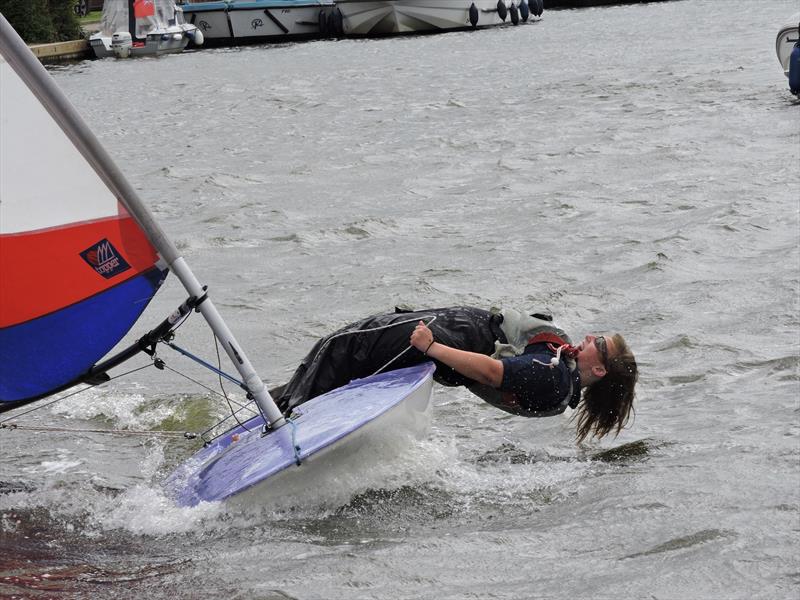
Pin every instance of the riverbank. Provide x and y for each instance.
(71, 50)
(68, 50)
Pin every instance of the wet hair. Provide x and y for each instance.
(607, 404)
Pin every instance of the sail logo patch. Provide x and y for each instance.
(105, 259)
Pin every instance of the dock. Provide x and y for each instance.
(73, 49)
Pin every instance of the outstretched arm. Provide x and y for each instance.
(479, 367)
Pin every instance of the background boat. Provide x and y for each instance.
(388, 17)
(142, 28)
(243, 21)
(788, 36)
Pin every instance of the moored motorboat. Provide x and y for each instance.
(142, 28)
(238, 21)
(787, 46)
(388, 17)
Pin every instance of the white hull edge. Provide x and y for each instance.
(336, 472)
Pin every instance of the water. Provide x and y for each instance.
(628, 168)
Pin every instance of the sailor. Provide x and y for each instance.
(520, 363)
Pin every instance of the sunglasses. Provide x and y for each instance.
(602, 347)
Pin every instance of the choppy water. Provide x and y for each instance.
(628, 168)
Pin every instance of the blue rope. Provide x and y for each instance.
(208, 366)
(295, 445)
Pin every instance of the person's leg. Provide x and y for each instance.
(382, 341)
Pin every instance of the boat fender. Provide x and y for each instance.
(524, 11)
(473, 15)
(337, 22)
(502, 11)
(794, 69)
(323, 22)
(196, 36)
(514, 13)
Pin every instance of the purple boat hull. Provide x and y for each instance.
(339, 423)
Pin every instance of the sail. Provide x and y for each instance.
(76, 270)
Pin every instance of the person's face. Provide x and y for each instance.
(593, 354)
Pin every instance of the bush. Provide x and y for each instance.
(65, 21)
(42, 21)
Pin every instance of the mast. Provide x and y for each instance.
(30, 70)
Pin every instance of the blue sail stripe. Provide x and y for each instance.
(41, 355)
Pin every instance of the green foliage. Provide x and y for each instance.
(30, 18)
(42, 21)
(65, 21)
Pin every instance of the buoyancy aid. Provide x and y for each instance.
(519, 329)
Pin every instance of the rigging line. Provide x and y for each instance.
(75, 393)
(212, 390)
(379, 328)
(208, 366)
(183, 320)
(432, 319)
(187, 435)
(222, 387)
(218, 423)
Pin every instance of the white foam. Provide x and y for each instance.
(148, 510)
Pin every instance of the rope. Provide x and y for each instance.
(75, 393)
(188, 435)
(212, 390)
(222, 387)
(208, 366)
(379, 328)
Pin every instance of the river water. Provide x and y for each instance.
(628, 168)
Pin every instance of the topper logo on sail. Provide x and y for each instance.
(105, 259)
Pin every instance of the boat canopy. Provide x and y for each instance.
(148, 16)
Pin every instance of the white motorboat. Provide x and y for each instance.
(789, 38)
(142, 28)
(236, 21)
(387, 17)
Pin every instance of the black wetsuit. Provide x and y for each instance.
(531, 386)
(337, 359)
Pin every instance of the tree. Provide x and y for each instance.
(42, 21)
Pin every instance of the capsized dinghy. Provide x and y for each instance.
(105, 257)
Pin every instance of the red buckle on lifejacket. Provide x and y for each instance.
(554, 342)
(548, 337)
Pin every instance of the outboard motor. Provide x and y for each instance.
(794, 67)
(121, 44)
